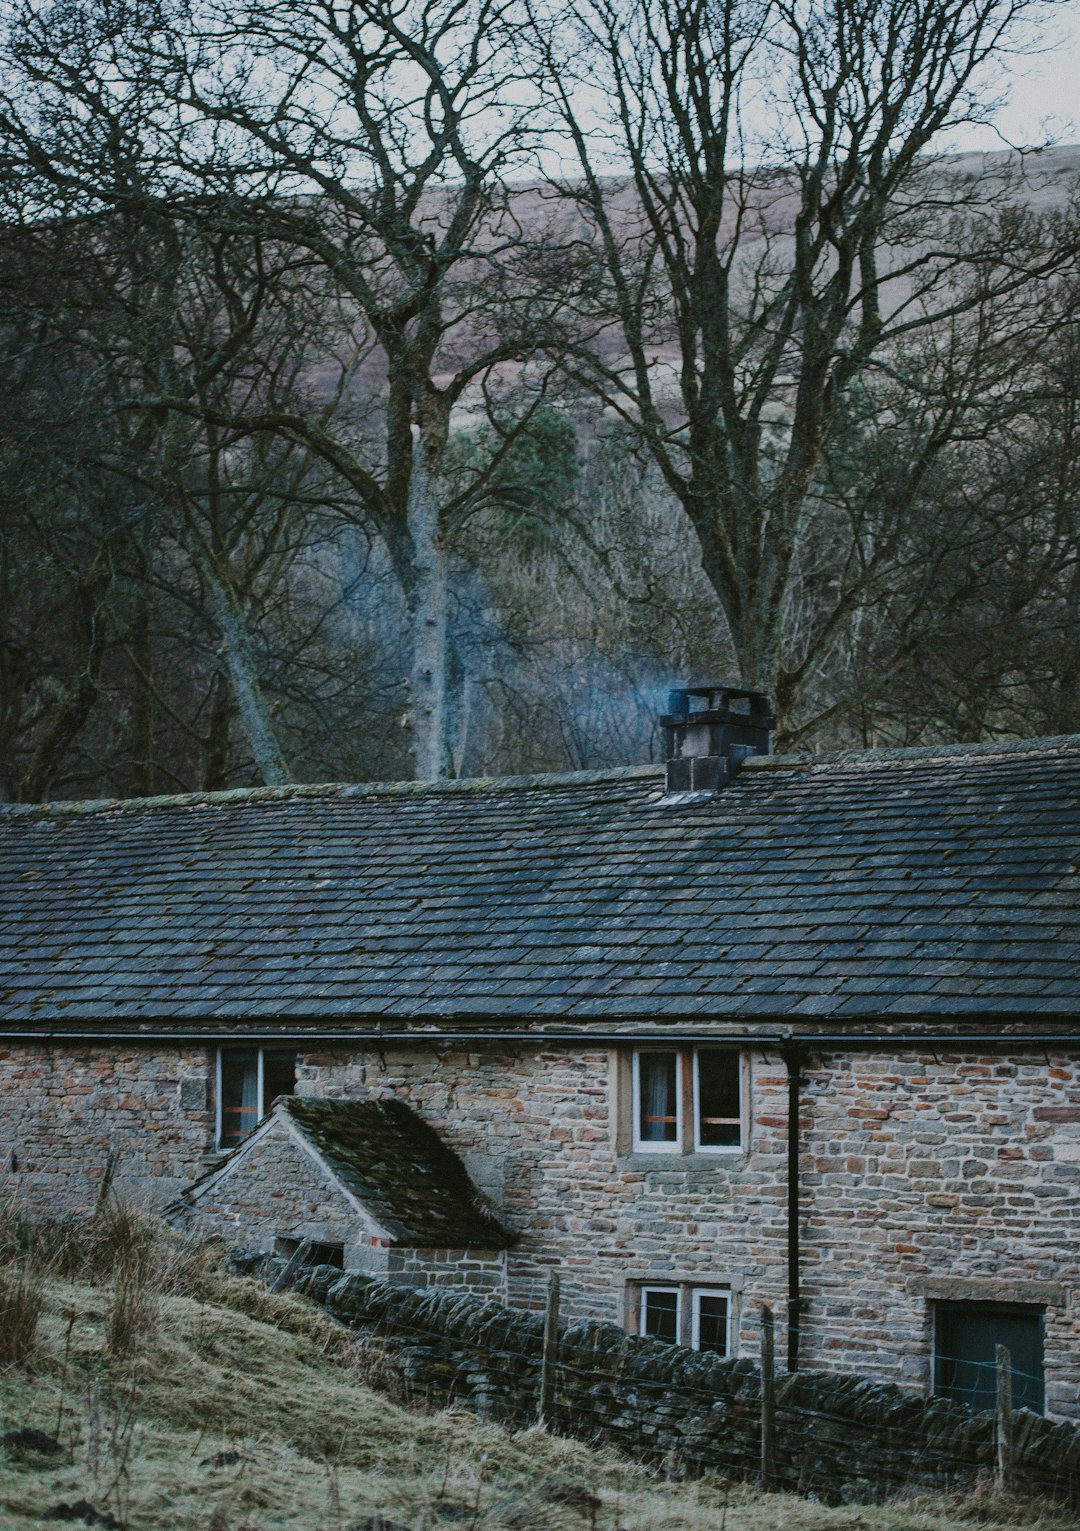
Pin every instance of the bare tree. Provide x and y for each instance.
(120, 310)
(771, 236)
(376, 142)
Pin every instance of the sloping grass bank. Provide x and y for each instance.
(215, 1405)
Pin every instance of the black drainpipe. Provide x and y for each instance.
(793, 1060)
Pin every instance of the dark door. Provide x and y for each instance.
(965, 1364)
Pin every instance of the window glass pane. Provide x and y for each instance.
(279, 1075)
(239, 1096)
(718, 1124)
(660, 1313)
(711, 1310)
(658, 1097)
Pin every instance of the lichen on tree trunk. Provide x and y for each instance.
(243, 674)
(429, 621)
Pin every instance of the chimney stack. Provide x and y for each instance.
(710, 731)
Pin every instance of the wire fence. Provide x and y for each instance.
(836, 1435)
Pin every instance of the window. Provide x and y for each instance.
(657, 1101)
(710, 1318)
(697, 1316)
(687, 1100)
(249, 1080)
(661, 1311)
(966, 1337)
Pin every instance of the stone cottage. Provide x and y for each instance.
(731, 1029)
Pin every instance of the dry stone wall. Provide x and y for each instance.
(838, 1438)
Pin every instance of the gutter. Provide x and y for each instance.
(808, 1041)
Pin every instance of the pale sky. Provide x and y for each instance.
(1044, 90)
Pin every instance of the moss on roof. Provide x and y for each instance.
(399, 1168)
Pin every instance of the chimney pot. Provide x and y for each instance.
(709, 732)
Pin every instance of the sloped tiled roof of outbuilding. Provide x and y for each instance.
(411, 1183)
(402, 1172)
(943, 882)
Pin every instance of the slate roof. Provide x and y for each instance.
(939, 883)
(395, 1164)
(401, 1171)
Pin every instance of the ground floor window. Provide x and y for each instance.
(681, 1314)
(966, 1337)
(249, 1080)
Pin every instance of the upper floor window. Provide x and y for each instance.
(687, 1100)
(249, 1080)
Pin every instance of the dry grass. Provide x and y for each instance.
(22, 1297)
(240, 1410)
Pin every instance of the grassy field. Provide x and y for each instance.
(166, 1395)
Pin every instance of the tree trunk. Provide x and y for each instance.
(429, 670)
(250, 702)
(218, 736)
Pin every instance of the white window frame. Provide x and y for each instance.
(719, 1148)
(688, 1297)
(650, 1146)
(657, 1286)
(696, 1294)
(687, 1101)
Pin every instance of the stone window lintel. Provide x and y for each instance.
(987, 1289)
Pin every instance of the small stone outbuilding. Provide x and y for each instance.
(367, 1184)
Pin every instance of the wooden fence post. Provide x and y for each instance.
(550, 1354)
(768, 1398)
(1003, 1431)
(285, 1278)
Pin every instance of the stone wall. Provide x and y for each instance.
(916, 1170)
(839, 1438)
(923, 1177)
(479, 1271)
(65, 1111)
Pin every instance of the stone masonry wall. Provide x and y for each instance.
(274, 1189)
(952, 1176)
(64, 1111)
(923, 1177)
(838, 1438)
(479, 1271)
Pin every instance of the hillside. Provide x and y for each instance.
(251, 1412)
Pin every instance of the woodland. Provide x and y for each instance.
(419, 388)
